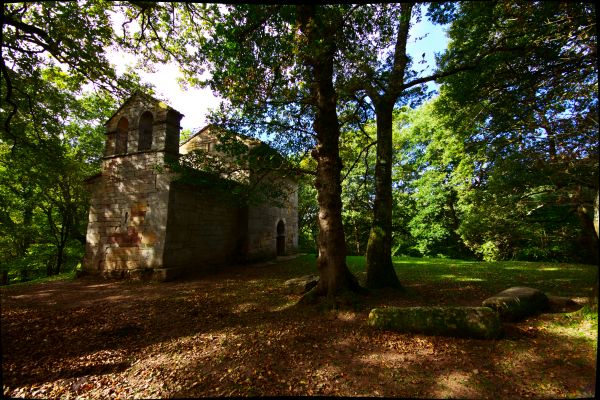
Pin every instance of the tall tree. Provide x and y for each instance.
(318, 53)
(43, 202)
(50, 52)
(534, 103)
(71, 37)
(274, 65)
(378, 66)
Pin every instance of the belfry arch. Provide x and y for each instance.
(122, 131)
(145, 131)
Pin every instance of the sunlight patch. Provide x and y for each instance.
(392, 357)
(455, 385)
(245, 308)
(284, 306)
(448, 276)
(346, 316)
(465, 279)
(583, 330)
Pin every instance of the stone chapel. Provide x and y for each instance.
(144, 223)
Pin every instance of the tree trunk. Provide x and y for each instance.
(334, 275)
(380, 268)
(588, 219)
(596, 212)
(49, 267)
(60, 257)
(594, 296)
(357, 238)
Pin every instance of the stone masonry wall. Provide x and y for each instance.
(128, 216)
(143, 224)
(205, 229)
(165, 135)
(262, 227)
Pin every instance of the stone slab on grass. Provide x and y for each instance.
(301, 285)
(516, 303)
(468, 322)
(557, 304)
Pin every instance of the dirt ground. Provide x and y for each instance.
(237, 333)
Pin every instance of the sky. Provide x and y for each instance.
(195, 103)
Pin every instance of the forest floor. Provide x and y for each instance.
(237, 333)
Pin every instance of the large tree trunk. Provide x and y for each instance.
(589, 237)
(380, 268)
(594, 296)
(334, 275)
(596, 212)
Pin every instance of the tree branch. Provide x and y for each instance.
(366, 148)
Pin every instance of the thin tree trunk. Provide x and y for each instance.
(357, 238)
(596, 212)
(60, 257)
(380, 269)
(594, 296)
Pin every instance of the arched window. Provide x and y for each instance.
(109, 148)
(122, 130)
(281, 238)
(145, 129)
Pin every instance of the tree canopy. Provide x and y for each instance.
(503, 163)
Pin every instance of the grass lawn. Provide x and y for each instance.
(238, 333)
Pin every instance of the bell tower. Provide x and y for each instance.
(129, 203)
(142, 124)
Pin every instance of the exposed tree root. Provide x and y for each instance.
(348, 298)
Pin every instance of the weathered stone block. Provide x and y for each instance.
(118, 264)
(122, 252)
(139, 208)
(149, 238)
(470, 322)
(516, 303)
(137, 221)
(557, 304)
(301, 285)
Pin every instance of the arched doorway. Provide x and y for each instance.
(281, 238)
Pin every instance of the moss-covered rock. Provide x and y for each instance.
(469, 322)
(517, 303)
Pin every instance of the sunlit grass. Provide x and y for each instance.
(461, 278)
(578, 325)
(559, 279)
(65, 276)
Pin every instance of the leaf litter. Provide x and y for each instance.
(237, 333)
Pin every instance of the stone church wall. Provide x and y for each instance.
(128, 216)
(205, 230)
(263, 222)
(143, 223)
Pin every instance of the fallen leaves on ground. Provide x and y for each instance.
(238, 334)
